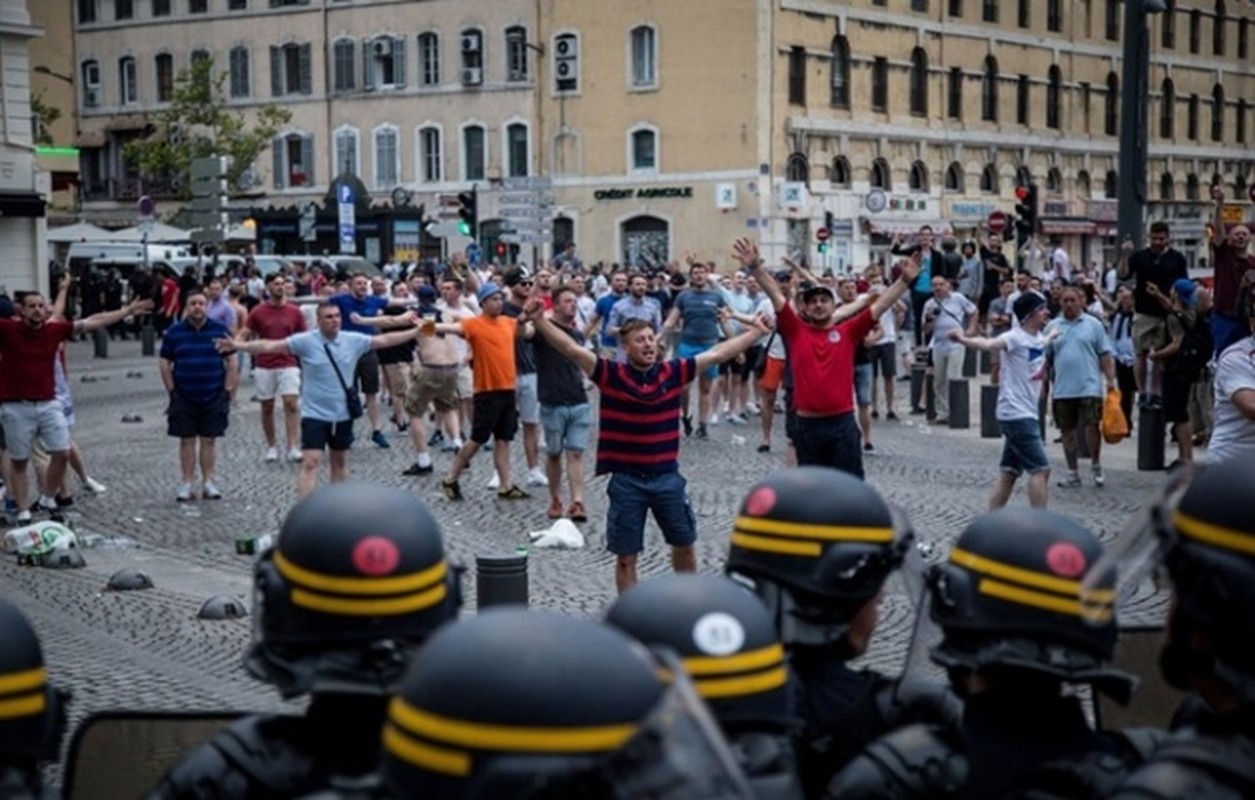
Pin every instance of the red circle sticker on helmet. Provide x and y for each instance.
(1066, 559)
(376, 555)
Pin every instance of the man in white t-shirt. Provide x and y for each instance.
(1060, 264)
(1023, 355)
(884, 353)
(1233, 417)
(947, 312)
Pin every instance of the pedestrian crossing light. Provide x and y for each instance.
(468, 213)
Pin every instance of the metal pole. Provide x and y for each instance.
(1132, 163)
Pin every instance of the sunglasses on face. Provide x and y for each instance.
(524, 283)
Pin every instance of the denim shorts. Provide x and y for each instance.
(685, 350)
(566, 427)
(863, 384)
(632, 496)
(1022, 448)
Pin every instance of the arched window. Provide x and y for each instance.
(954, 177)
(918, 181)
(128, 82)
(1054, 180)
(1054, 90)
(518, 150)
(880, 175)
(1191, 187)
(644, 49)
(387, 157)
(1167, 109)
(840, 86)
(989, 90)
(474, 152)
(1111, 111)
(1167, 186)
(1023, 176)
(644, 148)
(345, 143)
(919, 82)
(1218, 24)
(1217, 113)
(1111, 187)
(1083, 190)
(428, 59)
(797, 169)
(840, 175)
(430, 158)
(989, 179)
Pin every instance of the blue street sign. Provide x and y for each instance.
(346, 194)
(473, 254)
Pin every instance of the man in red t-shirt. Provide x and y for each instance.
(821, 355)
(1231, 262)
(29, 408)
(277, 373)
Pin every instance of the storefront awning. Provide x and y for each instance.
(90, 139)
(22, 204)
(905, 227)
(1068, 227)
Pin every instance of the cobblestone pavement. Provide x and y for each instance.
(148, 650)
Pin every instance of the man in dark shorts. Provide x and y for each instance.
(359, 301)
(1160, 264)
(638, 438)
(200, 382)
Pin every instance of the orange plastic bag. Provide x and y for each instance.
(1114, 426)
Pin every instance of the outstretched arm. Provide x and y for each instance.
(989, 345)
(106, 318)
(746, 252)
(731, 348)
(254, 347)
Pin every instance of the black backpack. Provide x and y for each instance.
(1196, 348)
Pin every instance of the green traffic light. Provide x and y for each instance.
(823, 247)
(464, 228)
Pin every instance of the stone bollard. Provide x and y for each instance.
(969, 363)
(989, 413)
(100, 343)
(960, 405)
(1150, 439)
(501, 580)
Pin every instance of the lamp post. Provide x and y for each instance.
(1131, 193)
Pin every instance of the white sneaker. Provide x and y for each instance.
(736, 419)
(94, 486)
(714, 419)
(752, 408)
(536, 477)
(294, 454)
(272, 454)
(47, 503)
(24, 517)
(185, 493)
(495, 481)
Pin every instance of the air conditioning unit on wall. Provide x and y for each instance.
(381, 47)
(472, 76)
(470, 44)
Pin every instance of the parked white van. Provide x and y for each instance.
(82, 254)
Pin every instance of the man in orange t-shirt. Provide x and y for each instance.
(491, 337)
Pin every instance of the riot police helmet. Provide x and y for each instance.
(357, 577)
(1010, 597)
(816, 545)
(531, 704)
(32, 711)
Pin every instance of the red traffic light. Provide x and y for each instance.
(1021, 193)
(501, 249)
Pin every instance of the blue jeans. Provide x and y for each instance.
(1022, 448)
(1225, 330)
(830, 442)
(632, 496)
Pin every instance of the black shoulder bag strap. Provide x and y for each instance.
(339, 374)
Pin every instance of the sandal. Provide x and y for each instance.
(577, 513)
(513, 493)
(451, 489)
(555, 509)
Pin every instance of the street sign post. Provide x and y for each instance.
(347, 206)
(997, 222)
(822, 234)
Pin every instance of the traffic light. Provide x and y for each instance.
(468, 213)
(1025, 212)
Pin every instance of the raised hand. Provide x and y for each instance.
(745, 251)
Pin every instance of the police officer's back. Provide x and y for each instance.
(1015, 632)
(1206, 539)
(32, 712)
(816, 545)
(356, 579)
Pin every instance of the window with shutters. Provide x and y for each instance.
(1054, 96)
(123, 9)
(1167, 109)
(344, 65)
(383, 62)
(1023, 95)
(161, 8)
(643, 44)
(293, 160)
(128, 82)
(430, 158)
(518, 150)
(428, 59)
(840, 90)
(954, 93)
(290, 70)
(517, 66)
(474, 155)
(241, 68)
(387, 157)
(163, 66)
(346, 152)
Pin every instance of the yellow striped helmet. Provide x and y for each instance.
(357, 576)
(724, 637)
(32, 712)
(1011, 596)
(816, 545)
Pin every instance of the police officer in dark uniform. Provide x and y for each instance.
(727, 643)
(817, 545)
(357, 578)
(528, 705)
(1017, 627)
(1206, 540)
(32, 712)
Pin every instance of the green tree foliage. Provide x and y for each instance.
(198, 123)
(44, 116)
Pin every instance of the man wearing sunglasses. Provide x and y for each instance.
(519, 287)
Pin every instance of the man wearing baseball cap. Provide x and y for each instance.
(1023, 358)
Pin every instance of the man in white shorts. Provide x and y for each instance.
(277, 374)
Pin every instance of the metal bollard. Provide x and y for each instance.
(969, 363)
(1150, 439)
(930, 397)
(989, 413)
(918, 379)
(100, 342)
(960, 405)
(501, 580)
(986, 363)
(148, 339)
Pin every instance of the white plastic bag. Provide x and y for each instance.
(562, 534)
(39, 539)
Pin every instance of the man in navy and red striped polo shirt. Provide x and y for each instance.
(638, 441)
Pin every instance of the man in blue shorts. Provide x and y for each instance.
(696, 311)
